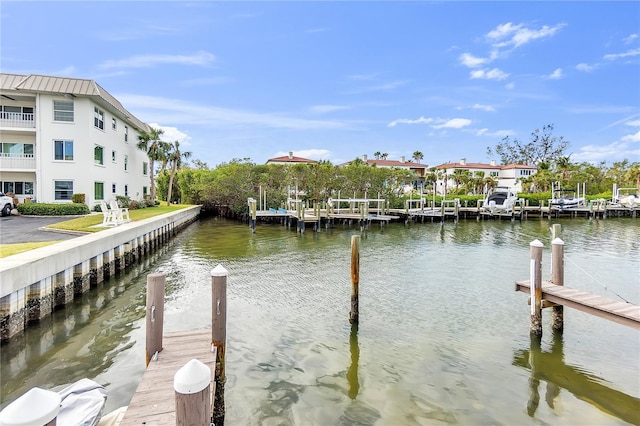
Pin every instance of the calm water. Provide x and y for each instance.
(443, 337)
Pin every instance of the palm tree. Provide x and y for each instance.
(417, 156)
(377, 155)
(175, 158)
(149, 141)
(384, 155)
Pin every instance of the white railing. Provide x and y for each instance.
(10, 161)
(17, 119)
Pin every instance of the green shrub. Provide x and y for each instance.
(78, 198)
(50, 209)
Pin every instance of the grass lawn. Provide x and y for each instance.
(85, 224)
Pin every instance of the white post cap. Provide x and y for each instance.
(193, 377)
(37, 407)
(536, 243)
(557, 241)
(219, 271)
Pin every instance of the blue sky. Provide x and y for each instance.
(336, 80)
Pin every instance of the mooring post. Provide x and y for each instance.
(535, 280)
(556, 230)
(355, 278)
(35, 407)
(253, 213)
(219, 337)
(557, 277)
(192, 385)
(155, 314)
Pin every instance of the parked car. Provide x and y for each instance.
(6, 203)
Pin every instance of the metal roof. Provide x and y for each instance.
(34, 83)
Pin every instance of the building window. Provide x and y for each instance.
(63, 111)
(126, 133)
(63, 150)
(145, 167)
(526, 172)
(8, 187)
(126, 190)
(98, 190)
(113, 124)
(98, 155)
(63, 190)
(126, 163)
(494, 174)
(18, 188)
(113, 156)
(98, 118)
(9, 149)
(144, 191)
(113, 188)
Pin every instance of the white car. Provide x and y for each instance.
(6, 203)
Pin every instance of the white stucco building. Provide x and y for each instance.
(509, 175)
(63, 136)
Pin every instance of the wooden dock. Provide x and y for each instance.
(154, 401)
(621, 312)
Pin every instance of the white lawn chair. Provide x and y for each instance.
(108, 215)
(121, 213)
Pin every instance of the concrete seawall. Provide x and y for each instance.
(34, 283)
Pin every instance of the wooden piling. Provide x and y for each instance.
(557, 277)
(155, 314)
(219, 337)
(535, 278)
(355, 278)
(192, 385)
(556, 230)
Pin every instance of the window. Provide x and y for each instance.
(8, 187)
(9, 149)
(144, 191)
(126, 162)
(63, 111)
(98, 190)
(113, 124)
(18, 188)
(98, 155)
(113, 156)
(126, 190)
(63, 190)
(494, 174)
(126, 133)
(63, 150)
(113, 188)
(145, 167)
(98, 118)
(10, 112)
(526, 172)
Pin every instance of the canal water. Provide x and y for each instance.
(443, 337)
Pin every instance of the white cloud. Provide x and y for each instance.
(323, 109)
(508, 34)
(615, 151)
(630, 38)
(555, 75)
(172, 134)
(454, 123)
(586, 67)
(614, 56)
(420, 120)
(147, 61)
(497, 133)
(311, 154)
(633, 123)
(471, 61)
(632, 138)
(183, 113)
(487, 108)
(487, 74)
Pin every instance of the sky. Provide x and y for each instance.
(335, 80)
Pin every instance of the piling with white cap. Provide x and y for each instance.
(37, 407)
(192, 385)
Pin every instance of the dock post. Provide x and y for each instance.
(192, 385)
(535, 280)
(219, 337)
(557, 277)
(253, 213)
(355, 279)
(556, 230)
(36, 407)
(155, 314)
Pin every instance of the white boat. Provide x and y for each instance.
(566, 199)
(627, 197)
(500, 199)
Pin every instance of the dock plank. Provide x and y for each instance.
(613, 310)
(154, 400)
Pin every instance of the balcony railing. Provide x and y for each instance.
(17, 119)
(9, 161)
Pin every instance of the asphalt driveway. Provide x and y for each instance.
(26, 229)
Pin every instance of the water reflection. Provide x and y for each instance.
(550, 367)
(352, 373)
